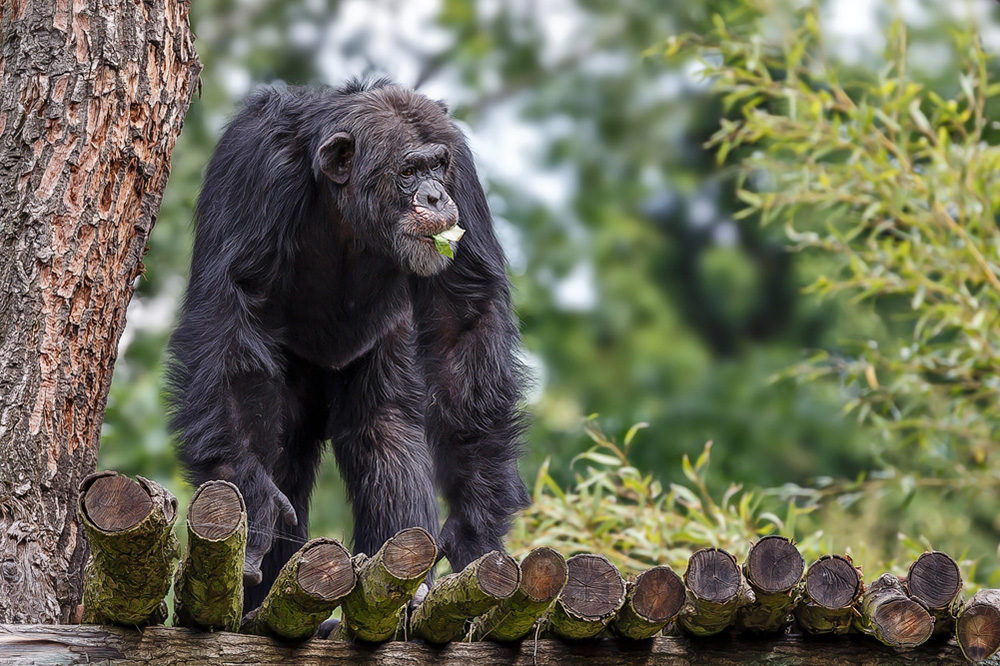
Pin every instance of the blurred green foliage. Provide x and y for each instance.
(648, 289)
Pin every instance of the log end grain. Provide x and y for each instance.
(543, 574)
(215, 511)
(658, 595)
(498, 575)
(833, 582)
(325, 570)
(594, 588)
(774, 565)
(904, 623)
(934, 579)
(713, 575)
(978, 631)
(410, 553)
(114, 502)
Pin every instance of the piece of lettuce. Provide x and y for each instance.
(446, 240)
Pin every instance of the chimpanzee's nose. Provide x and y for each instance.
(432, 195)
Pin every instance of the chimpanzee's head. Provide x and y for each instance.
(389, 162)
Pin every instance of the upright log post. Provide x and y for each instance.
(459, 597)
(307, 590)
(543, 576)
(935, 581)
(386, 582)
(716, 592)
(832, 586)
(593, 594)
(132, 549)
(208, 588)
(652, 600)
(892, 617)
(773, 570)
(977, 629)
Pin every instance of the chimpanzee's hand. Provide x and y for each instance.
(461, 542)
(265, 507)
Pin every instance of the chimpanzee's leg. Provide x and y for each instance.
(376, 426)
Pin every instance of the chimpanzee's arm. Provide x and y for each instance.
(231, 409)
(231, 426)
(469, 341)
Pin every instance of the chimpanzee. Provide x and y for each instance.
(320, 309)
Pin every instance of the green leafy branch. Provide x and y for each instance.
(894, 186)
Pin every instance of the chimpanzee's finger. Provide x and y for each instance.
(326, 627)
(252, 577)
(284, 506)
(257, 548)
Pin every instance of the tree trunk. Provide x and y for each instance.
(92, 98)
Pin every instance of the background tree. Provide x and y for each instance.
(92, 98)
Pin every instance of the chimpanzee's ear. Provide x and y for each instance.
(335, 157)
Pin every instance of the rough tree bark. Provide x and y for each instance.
(93, 94)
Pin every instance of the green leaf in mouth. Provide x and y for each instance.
(446, 240)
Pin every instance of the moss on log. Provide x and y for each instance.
(459, 597)
(593, 594)
(773, 570)
(716, 592)
(826, 605)
(543, 576)
(652, 599)
(386, 582)
(307, 590)
(132, 549)
(977, 629)
(208, 588)
(935, 580)
(892, 617)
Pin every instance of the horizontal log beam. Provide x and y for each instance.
(21, 645)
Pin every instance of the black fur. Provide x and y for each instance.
(312, 315)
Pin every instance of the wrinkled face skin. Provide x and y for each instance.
(431, 210)
(390, 174)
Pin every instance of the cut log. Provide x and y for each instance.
(716, 592)
(31, 645)
(132, 549)
(935, 580)
(386, 582)
(543, 576)
(307, 590)
(208, 588)
(773, 570)
(832, 586)
(459, 597)
(652, 600)
(593, 594)
(892, 617)
(977, 628)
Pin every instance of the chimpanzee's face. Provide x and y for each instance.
(395, 186)
(429, 208)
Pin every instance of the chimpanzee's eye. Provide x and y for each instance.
(439, 164)
(407, 172)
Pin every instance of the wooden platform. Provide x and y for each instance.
(21, 645)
